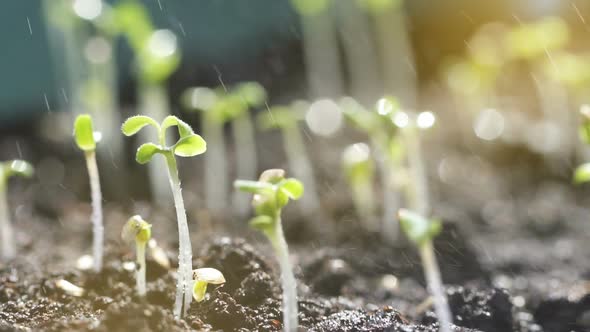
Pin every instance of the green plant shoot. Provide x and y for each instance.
(138, 231)
(86, 139)
(582, 172)
(9, 169)
(359, 170)
(189, 145)
(272, 192)
(286, 119)
(220, 106)
(421, 231)
(203, 277)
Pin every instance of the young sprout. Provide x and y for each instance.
(221, 106)
(271, 193)
(384, 138)
(286, 119)
(582, 172)
(203, 277)
(7, 170)
(156, 58)
(359, 170)
(189, 144)
(86, 139)
(139, 231)
(421, 231)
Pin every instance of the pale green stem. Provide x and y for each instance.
(391, 199)
(6, 231)
(396, 54)
(216, 181)
(245, 147)
(301, 168)
(364, 201)
(433, 280)
(96, 196)
(417, 188)
(140, 274)
(289, 284)
(322, 59)
(361, 58)
(185, 252)
(153, 102)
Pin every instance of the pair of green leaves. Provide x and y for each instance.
(189, 144)
(418, 228)
(271, 192)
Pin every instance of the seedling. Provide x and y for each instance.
(271, 193)
(138, 231)
(7, 170)
(359, 170)
(421, 231)
(189, 144)
(582, 172)
(203, 277)
(384, 138)
(156, 58)
(286, 119)
(86, 139)
(221, 106)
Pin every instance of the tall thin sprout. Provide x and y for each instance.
(86, 139)
(189, 144)
(7, 170)
(272, 192)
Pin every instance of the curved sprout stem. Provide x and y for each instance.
(185, 266)
(140, 274)
(96, 195)
(290, 306)
(6, 231)
(433, 280)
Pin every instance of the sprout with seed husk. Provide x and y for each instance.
(203, 277)
(189, 145)
(86, 139)
(359, 170)
(221, 106)
(271, 193)
(421, 231)
(286, 119)
(156, 58)
(7, 170)
(138, 231)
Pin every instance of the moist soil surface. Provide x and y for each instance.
(518, 277)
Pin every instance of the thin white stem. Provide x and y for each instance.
(290, 306)
(433, 280)
(97, 225)
(417, 189)
(300, 166)
(6, 231)
(364, 202)
(245, 147)
(140, 274)
(185, 252)
(215, 166)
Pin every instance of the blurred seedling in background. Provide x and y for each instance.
(138, 231)
(387, 149)
(421, 231)
(202, 278)
(156, 58)
(86, 139)
(359, 170)
(287, 119)
(582, 172)
(272, 192)
(9, 169)
(189, 145)
(220, 106)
